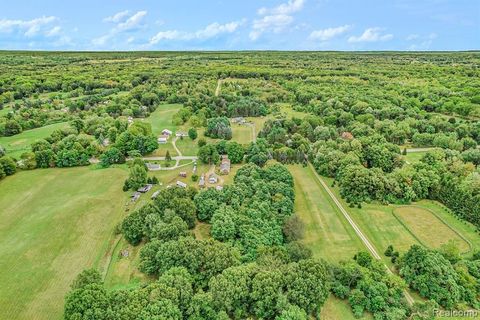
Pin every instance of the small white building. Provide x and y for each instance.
(155, 194)
(162, 140)
(219, 188)
(181, 184)
(212, 178)
(166, 132)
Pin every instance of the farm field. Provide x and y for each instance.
(327, 233)
(20, 143)
(161, 118)
(428, 228)
(51, 232)
(383, 228)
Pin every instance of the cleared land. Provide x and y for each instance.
(161, 118)
(53, 224)
(383, 228)
(428, 228)
(20, 143)
(327, 233)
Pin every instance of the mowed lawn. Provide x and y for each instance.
(20, 143)
(162, 117)
(327, 232)
(382, 227)
(53, 224)
(428, 228)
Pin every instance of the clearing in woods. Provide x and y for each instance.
(53, 224)
(20, 143)
(327, 233)
(428, 228)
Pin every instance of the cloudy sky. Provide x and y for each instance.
(240, 25)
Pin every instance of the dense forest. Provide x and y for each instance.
(352, 116)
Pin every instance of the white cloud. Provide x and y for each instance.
(283, 9)
(275, 19)
(132, 22)
(55, 31)
(125, 22)
(328, 33)
(210, 31)
(29, 28)
(371, 35)
(167, 35)
(117, 17)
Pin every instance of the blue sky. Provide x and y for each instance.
(240, 25)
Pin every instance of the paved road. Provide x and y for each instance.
(359, 232)
(155, 158)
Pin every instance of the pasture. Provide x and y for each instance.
(327, 232)
(382, 227)
(428, 228)
(20, 143)
(53, 224)
(161, 118)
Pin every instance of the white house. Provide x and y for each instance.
(162, 140)
(212, 178)
(181, 184)
(181, 134)
(167, 132)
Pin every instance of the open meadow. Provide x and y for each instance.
(327, 232)
(20, 143)
(424, 222)
(53, 224)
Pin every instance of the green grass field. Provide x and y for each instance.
(161, 118)
(242, 133)
(20, 143)
(327, 232)
(383, 228)
(428, 228)
(187, 146)
(53, 224)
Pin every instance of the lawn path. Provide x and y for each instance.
(359, 232)
(217, 90)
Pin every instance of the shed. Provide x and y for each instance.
(162, 139)
(212, 178)
(181, 184)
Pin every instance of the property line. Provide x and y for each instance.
(360, 234)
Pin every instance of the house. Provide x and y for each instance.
(225, 165)
(136, 196)
(239, 120)
(166, 132)
(183, 174)
(152, 166)
(162, 139)
(181, 134)
(219, 188)
(201, 182)
(181, 184)
(155, 194)
(212, 178)
(145, 188)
